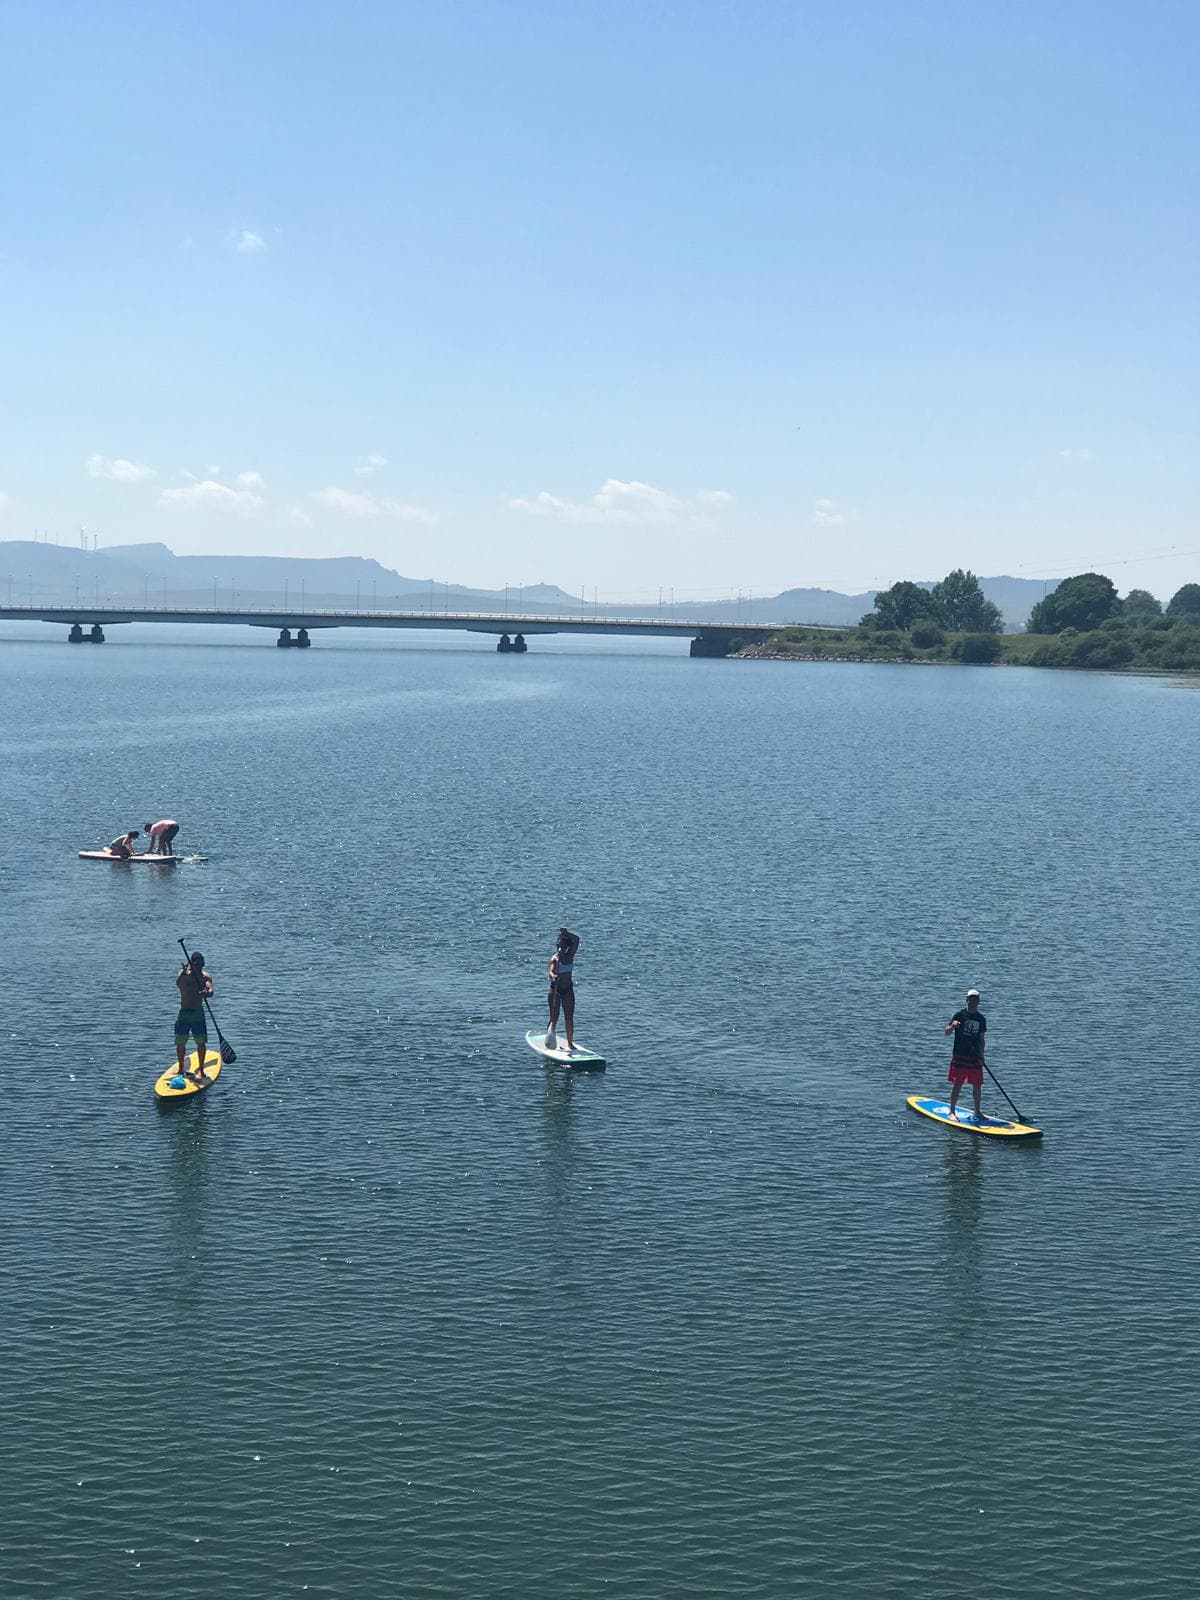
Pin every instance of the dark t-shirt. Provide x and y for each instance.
(968, 1036)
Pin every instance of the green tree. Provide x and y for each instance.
(978, 648)
(1140, 607)
(1082, 602)
(1185, 603)
(927, 635)
(900, 606)
(1103, 647)
(961, 605)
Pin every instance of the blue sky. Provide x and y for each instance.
(712, 296)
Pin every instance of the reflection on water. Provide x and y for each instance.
(188, 1189)
(558, 1131)
(962, 1194)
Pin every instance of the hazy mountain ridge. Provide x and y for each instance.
(137, 574)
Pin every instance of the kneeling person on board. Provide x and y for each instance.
(562, 986)
(195, 986)
(123, 846)
(969, 1028)
(160, 835)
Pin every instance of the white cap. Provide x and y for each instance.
(974, 992)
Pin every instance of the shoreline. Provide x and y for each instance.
(759, 652)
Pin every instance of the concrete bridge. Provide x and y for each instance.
(86, 624)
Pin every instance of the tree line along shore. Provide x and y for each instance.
(1083, 623)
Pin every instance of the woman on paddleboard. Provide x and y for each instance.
(562, 986)
(123, 846)
(969, 1027)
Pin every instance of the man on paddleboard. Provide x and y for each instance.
(160, 835)
(969, 1027)
(195, 985)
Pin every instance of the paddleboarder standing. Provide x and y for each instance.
(969, 1027)
(562, 986)
(195, 985)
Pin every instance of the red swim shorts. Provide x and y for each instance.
(965, 1072)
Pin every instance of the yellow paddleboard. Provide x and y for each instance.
(169, 1087)
(967, 1122)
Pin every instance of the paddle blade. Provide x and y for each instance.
(228, 1053)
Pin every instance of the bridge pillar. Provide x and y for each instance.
(284, 639)
(504, 644)
(97, 634)
(76, 634)
(302, 639)
(713, 645)
(519, 644)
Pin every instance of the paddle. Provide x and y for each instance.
(1001, 1088)
(228, 1053)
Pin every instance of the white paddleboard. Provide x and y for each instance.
(108, 855)
(579, 1057)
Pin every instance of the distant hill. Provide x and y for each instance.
(137, 574)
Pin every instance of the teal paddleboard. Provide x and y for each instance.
(578, 1057)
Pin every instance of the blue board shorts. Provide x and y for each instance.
(192, 1022)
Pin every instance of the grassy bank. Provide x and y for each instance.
(1166, 645)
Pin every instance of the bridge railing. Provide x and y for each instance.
(515, 620)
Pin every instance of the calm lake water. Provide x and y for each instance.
(398, 1310)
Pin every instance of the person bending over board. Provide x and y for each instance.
(195, 986)
(160, 835)
(562, 986)
(969, 1028)
(123, 846)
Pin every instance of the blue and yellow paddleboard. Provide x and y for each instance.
(172, 1087)
(967, 1122)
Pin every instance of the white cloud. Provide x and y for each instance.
(636, 501)
(250, 480)
(298, 515)
(406, 513)
(246, 242)
(614, 501)
(354, 503)
(827, 514)
(1075, 454)
(366, 465)
(714, 497)
(119, 470)
(211, 496)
